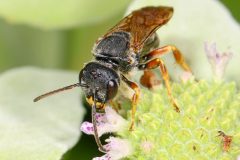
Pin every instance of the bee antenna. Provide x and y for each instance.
(56, 91)
(94, 121)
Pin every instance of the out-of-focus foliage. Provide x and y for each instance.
(21, 45)
(233, 6)
(38, 131)
(56, 14)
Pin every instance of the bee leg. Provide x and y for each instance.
(168, 49)
(115, 105)
(159, 63)
(149, 79)
(135, 98)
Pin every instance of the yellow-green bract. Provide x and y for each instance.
(206, 108)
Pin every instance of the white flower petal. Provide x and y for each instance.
(238, 158)
(107, 122)
(117, 149)
(104, 157)
(116, 121)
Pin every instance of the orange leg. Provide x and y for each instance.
(159, 63)
(135, 98)
(164, 50)
(149, 79)
(115, 105)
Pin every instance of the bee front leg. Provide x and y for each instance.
(135, 98)
(159, 63)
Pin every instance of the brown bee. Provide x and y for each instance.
(226, 140)
(130, 44)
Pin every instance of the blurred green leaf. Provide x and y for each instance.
(56, 14)
(21, 45)
(37, 131)
(233, 6)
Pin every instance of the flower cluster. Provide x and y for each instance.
(109, 122)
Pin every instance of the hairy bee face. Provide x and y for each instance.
(99, 82)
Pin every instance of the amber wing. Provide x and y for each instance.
(142, 23)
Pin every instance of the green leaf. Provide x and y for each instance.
(21, 45)
(193, 23)
(233, 6)
(56, 14)
(44, 130)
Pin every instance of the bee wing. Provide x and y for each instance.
(142, 23)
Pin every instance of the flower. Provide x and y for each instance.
(218, 61)
(186, 76)
(107, 122)
(116, 149)
(110, 121)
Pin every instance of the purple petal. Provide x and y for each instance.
(218, 61)
(87, 128)
(106, 123)
(116, 149)
(101, 118)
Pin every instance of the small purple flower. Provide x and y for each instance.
(116, 149)
(218, 61)
(110, 121)
(107, 122)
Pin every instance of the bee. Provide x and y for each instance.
(131, 44)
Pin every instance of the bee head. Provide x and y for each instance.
(99, 82)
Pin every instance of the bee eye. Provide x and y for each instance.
(112, 88)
